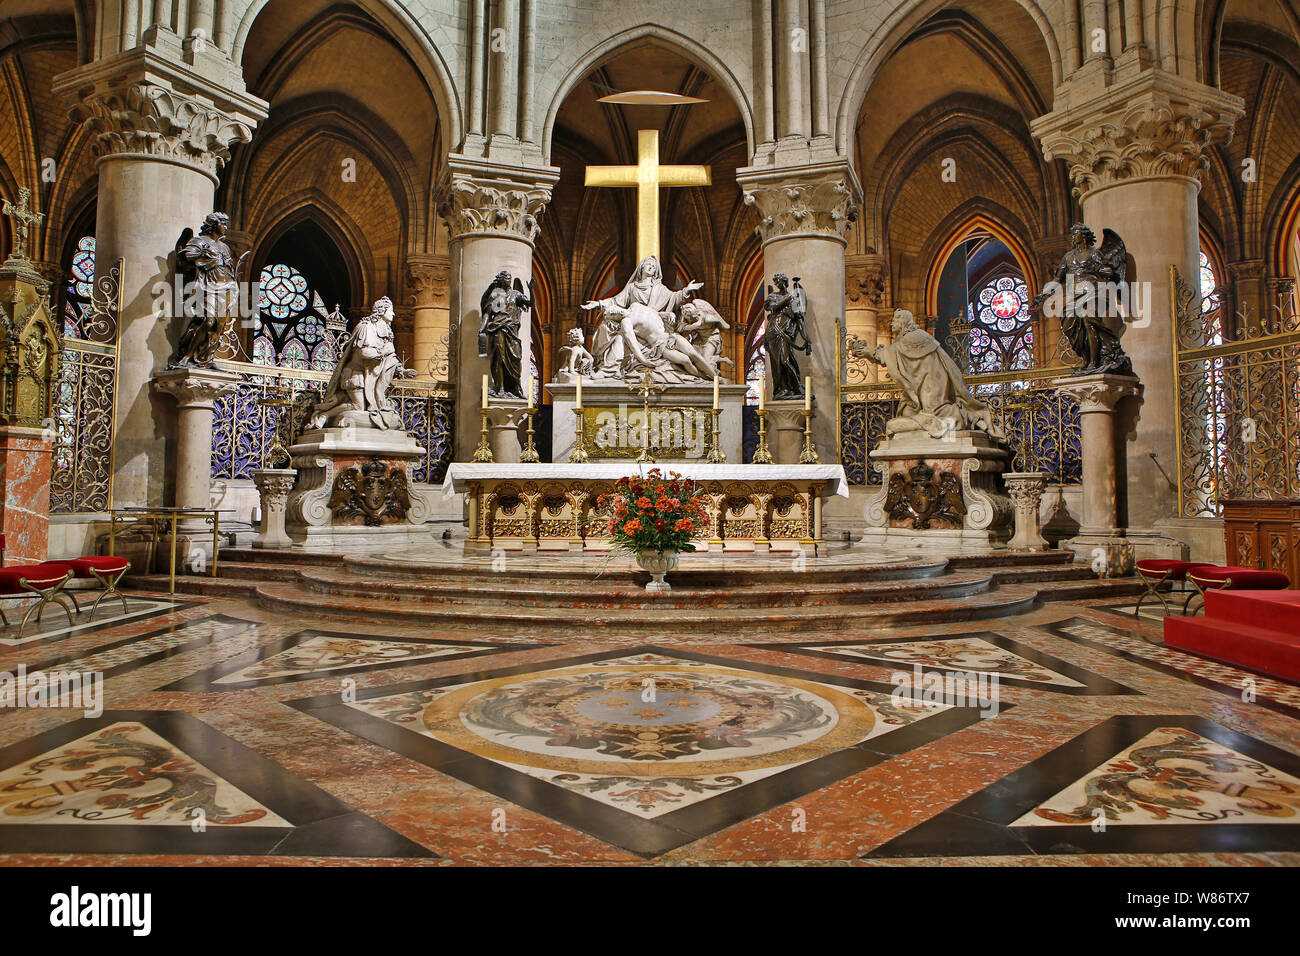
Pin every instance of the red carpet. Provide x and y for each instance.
(1259, 630)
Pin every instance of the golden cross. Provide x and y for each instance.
(24, 218)
(648, 177)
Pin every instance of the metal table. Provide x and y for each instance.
(153, 517)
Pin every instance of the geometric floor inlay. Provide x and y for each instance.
(311, 654)
(165, 782)
(1132, 784)
(984, 653)
(647, 749)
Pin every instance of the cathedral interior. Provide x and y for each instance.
(531, 432)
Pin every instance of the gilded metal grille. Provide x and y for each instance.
(81, 480)
(1238, 402)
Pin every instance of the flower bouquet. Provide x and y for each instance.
(655, 518)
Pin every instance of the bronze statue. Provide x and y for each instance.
(786, 309)
(1091, 283)
(502, 307)
(207, 264)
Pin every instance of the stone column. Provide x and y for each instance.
(1246, 291)
(866, 295)
(195, 392)
(803, 216)
(1098, 395)
(1135, 149)
(429, 277)
(162, 119)
(492, 214)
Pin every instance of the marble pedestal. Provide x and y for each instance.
(273, 488)
(975, 463)
(25, 493)
(785, 431)
(329, 460)
(679, 422)
(1025, 489)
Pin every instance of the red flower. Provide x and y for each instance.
(644, 503)
(632, 527)
(684, 524)
(659, 524)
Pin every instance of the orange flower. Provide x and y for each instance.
(644, 503)
(684, 524)
(632, 527)
(664, 503)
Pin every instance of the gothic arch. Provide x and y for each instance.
(347, 238)
(975, 216)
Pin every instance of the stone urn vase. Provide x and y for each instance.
(657, 564)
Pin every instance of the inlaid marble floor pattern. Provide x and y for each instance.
(229, 733)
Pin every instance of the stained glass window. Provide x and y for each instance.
(81, 283)
(1001, 333)
(1209, 285)
(756, 368)
(295, 329)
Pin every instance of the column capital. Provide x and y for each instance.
(195, 387)
(144, 104)
(818, 201)
(476, 197)
(1155, 125)
(865, 279)
(428, 276)
(1098, 393)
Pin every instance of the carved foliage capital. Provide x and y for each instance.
(149, 119)
(471, 206)
(429, 280)
(821, 206)
(865, 280)
(1098, 393)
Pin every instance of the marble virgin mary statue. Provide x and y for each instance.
(640, 331)
(935, 398)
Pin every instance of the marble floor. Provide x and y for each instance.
(230, 731)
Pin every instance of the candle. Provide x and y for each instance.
(528, 392)
(715, 392)
(578, 400)
(762, 395)
(807, 394)
(485, 391)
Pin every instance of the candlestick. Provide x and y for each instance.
(762, 454)
(809, 454)
(484, 403)
(716, 455)
(528, 392)
(578, 398)
(762, 395)
(483, 453)
(578, 455)
(529, 453)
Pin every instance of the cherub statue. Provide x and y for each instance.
(1091, 283)
(701, 321)
(574, 357)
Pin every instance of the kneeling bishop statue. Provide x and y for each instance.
(935, 398)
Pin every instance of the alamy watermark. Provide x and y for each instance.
(920, 688)
(77, 690)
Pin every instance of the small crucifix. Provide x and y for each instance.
(23, 218)
(648, 177)
(646, 388)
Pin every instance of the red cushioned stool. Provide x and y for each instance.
(46, 581)
(1156, 572)
(107, 571)
(1233, 579)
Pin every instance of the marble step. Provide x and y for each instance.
(691, 621)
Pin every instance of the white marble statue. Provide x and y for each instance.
(641, 332)
(357, 393)
(575, 360)
(701, 321)
(935, 399)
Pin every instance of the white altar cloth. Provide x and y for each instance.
(460, 473)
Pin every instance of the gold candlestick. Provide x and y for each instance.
(646, 388)
(716, 455)
(809, 454)
(529, 454)
(578, 456)
(762, 454)
(483, 453)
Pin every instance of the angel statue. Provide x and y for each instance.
(1091, 283)
(208, 267)
(640, 331)
(502, 307)
(701, 321)
(787, 309)
(357, 393)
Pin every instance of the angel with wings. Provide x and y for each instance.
(502, 308)
(1092, 282)
(211, 274)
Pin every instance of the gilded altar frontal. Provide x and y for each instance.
(861, 434)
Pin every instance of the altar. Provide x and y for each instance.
(554, 507)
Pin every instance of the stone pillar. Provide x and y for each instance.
(1135, 149)
(162, 119)
(1098, 395)
(1025, 489)
(866, 295)
(195, 392)
(505, 425)
(803, 216)
(1246, 292)
(492, 214)
(785, 424)
(429, 277)
(273, 487)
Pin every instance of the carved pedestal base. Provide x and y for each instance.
(940, 492)
(354, 490)
(273, 486)
(1026, 491)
